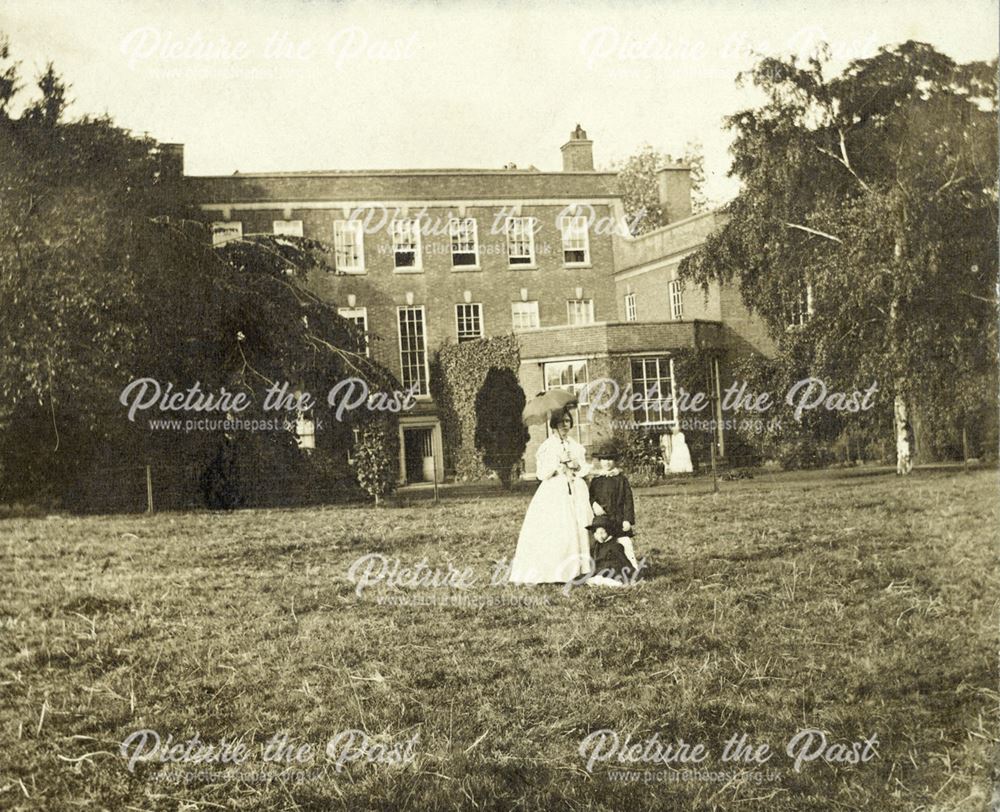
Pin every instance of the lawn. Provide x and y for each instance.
(850, 602)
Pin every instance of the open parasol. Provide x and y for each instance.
(540, 407)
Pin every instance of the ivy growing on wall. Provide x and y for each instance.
(460, 372)
(376, 455)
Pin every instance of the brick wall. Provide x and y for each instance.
(402, 185)
(652, 297)
(684, 235)
(440, 286)
(646, 265)
(747, 332)
(604, 339)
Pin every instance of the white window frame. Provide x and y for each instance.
(477, 308)
(575, 237)
(629, 307)
(305, 430)
(580, 412)
(575, 308)
(525, 227)
(357, 315)
(799, 316)
(355, 440)
(521, 309)
(405, 234)
(286, 228)
(342, 230)
(305, 426)
(676, 296)
(458, 239)
(422, 391)
(647, 403)
(224, 231)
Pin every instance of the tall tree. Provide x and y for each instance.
(104, 278)
(865, 233)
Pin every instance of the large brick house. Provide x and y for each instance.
(438, 256)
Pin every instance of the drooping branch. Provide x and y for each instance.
(247, 365)
(344, 355)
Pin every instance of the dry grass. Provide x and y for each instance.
(850, 602)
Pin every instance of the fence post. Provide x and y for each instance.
(149, 489)
(434, 457)
(711, 403)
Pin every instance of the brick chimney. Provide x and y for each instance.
(674, 185)
(172, 160)
(578, 152)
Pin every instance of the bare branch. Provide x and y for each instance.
(988, 300)
(814, 231)
(843, 160)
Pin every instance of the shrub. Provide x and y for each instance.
(640, 456)
(376, 457)
(500, 435)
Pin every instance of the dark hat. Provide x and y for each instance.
(608, 450)
(604, 521)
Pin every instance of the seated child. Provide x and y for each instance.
(611, 566)
(611, 496)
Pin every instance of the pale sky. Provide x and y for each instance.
(297, 85)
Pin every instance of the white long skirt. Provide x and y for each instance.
(680, 458)
(554, 545)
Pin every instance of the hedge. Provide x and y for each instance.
(460, 371)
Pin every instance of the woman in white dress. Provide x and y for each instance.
(680, 455)
(554, 545)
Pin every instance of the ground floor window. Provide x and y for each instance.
(413, 348)
(653, 380)
(573, 376)
(305, 430)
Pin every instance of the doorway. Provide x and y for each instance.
(418, 454)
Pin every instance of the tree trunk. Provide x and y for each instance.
(905, 450)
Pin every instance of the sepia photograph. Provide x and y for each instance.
(499, 406)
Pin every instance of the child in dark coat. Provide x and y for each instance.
(611, 500)
(611, 566)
